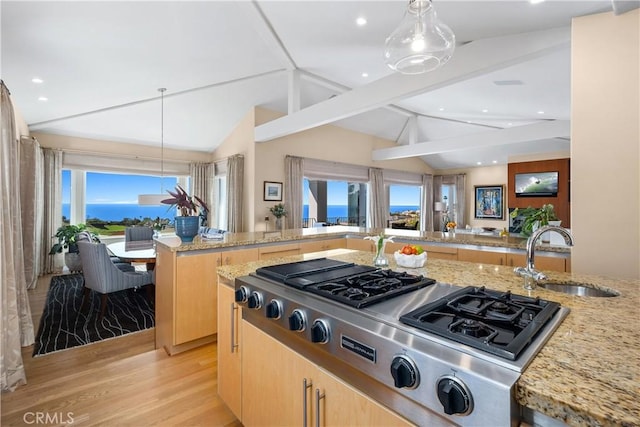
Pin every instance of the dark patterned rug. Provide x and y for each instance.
(63, 326)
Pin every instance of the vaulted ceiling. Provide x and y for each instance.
(505, 92)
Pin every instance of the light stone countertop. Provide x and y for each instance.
(231, 240)
(587, 374)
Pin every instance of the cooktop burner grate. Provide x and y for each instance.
(499, 323)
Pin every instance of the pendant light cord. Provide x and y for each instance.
(162, 90)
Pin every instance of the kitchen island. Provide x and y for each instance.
(585, 375)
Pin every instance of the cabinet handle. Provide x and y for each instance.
(233, 327)
(318, 397)
(305, 386)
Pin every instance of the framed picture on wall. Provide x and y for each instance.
(489, 201)
(273, 191)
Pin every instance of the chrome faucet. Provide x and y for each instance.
(529, 270)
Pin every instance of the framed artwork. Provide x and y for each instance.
(489, 201)
(273, 191)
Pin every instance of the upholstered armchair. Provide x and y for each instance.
(103, 276)
(138, 237)
(85, 236)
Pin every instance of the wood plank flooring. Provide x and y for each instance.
(118, 382)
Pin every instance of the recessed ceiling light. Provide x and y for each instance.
(536, 1)
(43, 98)
(540, 112)
(485, 111)
(441, 109)
(509, 124)
(365, 74)
(479, 163)
(494, 162)
(37, 80)
(361, 21)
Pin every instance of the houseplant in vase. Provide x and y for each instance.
(279, 212)
(187, 223)
(535, 218)
(66, 236)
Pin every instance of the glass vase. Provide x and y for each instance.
(381, 260)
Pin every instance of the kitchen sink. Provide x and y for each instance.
(579, 289)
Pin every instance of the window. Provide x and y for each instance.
(108, 202)
(334, 202)
(404, 206)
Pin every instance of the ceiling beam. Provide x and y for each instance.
(524, 133)
(470, 60)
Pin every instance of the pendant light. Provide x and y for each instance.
(421, 42)
(156, 199)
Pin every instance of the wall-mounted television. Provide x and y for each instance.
(538, 184)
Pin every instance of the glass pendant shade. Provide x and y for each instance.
(151, 199)
(421, 42)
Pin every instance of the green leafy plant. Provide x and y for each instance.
(67, 238)
(278, 210)
(188, 205)
(532, 216)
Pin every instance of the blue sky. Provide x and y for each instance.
(115, 188)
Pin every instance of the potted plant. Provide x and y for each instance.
(278, 211)
(66, 235)
(535, 217)
(187, 223)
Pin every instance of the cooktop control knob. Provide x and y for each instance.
(274, 309)
(242, 293)
(320, 332)
(255, 300)
(297, 320)
(454, 396)
(404, 372)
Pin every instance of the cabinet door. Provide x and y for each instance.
(322, 245)
(360, 245)
(342, 405)
(272, 381)
(441, 252)
(541, 262)
(483, 257)
(229, 350)
(278, 251)
(239, 256)
(391, 247)
(196, 297)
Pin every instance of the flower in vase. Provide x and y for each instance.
(451, 225)
(380, 241)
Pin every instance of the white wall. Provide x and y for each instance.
(605, 140)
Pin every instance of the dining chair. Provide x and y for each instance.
(138, 237)
(103, 276)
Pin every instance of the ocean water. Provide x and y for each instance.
(116, 212)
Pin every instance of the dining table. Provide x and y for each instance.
(141, 251)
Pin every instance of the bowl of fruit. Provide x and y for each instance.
(410, 256)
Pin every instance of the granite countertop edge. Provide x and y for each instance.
(232, 240)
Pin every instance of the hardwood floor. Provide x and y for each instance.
(119, 382)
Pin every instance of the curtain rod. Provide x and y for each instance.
(124, 156)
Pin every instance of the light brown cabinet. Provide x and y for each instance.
(274, 392)
(359, 244)
(483, 257)
(229, 339)
(278, 251)
(541, 262)
(441, 252)
(187, 295)
(322, 245)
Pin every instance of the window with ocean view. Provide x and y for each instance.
(404, 206)
(109, 201)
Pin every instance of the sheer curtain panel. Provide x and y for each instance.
(378, 209)
(32, 206)
(52, 208)
(294, 175)
(15, 317)
(202, 175)
(235, 183)
(426, 203)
